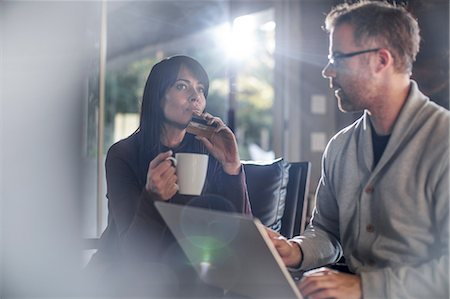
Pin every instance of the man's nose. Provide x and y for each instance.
(328, 71)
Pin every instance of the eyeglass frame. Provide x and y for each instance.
(332, 59)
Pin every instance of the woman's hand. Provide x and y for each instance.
(161, 177)
(222, 145)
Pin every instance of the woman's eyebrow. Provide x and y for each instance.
(185, 80)
(188, 81)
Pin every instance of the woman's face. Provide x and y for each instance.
(183, 98)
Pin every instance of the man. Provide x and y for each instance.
(382, 200)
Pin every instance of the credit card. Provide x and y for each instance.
(199, 126)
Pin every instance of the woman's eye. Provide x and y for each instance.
(202, 90)
(181, 86)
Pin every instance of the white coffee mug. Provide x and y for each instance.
(191, 172)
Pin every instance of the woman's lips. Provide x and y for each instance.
(196, 112)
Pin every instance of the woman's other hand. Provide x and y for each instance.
(222, 145)
(161, 177)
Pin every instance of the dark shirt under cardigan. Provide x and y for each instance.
(136, 235)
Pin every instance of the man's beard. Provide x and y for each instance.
(342, 100)
(347, 103)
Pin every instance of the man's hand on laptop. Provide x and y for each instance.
(288, 250)
(328, 283)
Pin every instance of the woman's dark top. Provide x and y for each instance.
(136, 237)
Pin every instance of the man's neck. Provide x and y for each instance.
(385, 111)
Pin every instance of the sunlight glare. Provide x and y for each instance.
(241, 43)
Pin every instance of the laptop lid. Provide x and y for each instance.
(230, 251)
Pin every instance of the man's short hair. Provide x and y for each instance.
(389, 26)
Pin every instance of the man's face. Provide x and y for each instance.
(349, 75)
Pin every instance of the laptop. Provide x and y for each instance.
(230, 251)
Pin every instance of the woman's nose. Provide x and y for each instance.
(195, 96)
(196, 100)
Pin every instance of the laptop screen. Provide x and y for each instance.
(230, 251)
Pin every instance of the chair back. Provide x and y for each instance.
(278, 193)
(296, 204)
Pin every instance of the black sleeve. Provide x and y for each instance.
(232, 187)
(139, 225)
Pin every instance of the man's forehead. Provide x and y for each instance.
(342, 37)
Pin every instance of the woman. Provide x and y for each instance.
(139, 173)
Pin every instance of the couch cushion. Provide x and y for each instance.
(266, 185)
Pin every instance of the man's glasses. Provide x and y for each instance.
(335, 58)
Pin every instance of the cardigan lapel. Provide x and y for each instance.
(365, 149)
(403, 126)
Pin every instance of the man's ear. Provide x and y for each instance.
(384, 59)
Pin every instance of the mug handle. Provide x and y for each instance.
(173, 161)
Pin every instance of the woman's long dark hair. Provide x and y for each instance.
(162, 76)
